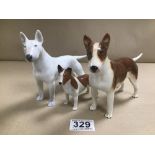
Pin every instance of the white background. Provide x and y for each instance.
(77, 145)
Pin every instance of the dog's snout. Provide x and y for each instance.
(60, 83)
(29, 57)
(93, 68)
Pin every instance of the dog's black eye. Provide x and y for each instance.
(35, 45)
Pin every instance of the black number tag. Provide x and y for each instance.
(82, 125)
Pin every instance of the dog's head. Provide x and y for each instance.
(32, 48)
(64, 74)
(96, 52)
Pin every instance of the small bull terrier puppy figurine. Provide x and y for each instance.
(72, 85)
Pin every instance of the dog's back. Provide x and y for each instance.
(121, 67)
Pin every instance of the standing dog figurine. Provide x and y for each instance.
(45, 66)
(72, 85)
(108, 75)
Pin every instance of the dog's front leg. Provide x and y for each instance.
(67, 99)
(75, 103)
(51, 87)
(110, 103)
(40, 95)
(94, 93)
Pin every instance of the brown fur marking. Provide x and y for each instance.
(68, 76)
(84, 79)
(74, 82)
(104, 47)
(121, 67)
(89, 46)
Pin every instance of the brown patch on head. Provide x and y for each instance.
(88, 45)
(120, 68)
(68, 76)
(104, 44)
(84, 79)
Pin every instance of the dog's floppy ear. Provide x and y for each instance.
(23, 38)
(69, 70)
(60, 69)
(105, 42)
(39, 36)
(74, 83)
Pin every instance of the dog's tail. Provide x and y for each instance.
(80, 57)
(138, 57)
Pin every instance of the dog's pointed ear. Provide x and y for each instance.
(87, 42)
(60, 69)
(105, 42)
(39, 36)
(23, 38)
(69, 70)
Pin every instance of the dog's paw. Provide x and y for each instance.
(135, 96)
(108, 116)
(51, 103)
(40, 97)
(75, 108)
(93, 107)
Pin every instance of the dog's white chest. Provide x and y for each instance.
(44, 75)
(72, 91)
(101, 81)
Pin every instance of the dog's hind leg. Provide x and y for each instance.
(40, 95)
(133, 81)
(120, 89)
(51, 87)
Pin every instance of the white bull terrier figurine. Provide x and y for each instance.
(45, 66)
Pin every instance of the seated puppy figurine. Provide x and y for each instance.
(72, 85)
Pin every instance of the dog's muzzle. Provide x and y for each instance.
(29, 57)
(93, 69)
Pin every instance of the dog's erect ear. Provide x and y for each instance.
(69, 70)
(88, 45)
(87, 42)
(23, 38)
(105, 42)
(39, 36)
(60, 69)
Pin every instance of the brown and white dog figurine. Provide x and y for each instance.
(72, 85)
(108, 75)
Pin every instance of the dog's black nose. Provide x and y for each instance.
(60, 83)
(93, 68)
(29, 57)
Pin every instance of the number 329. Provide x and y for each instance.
(81, 124)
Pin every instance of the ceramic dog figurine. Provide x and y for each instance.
(72, 85)
(45, 66)
(108, 75)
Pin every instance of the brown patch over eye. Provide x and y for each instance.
(101, 54)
